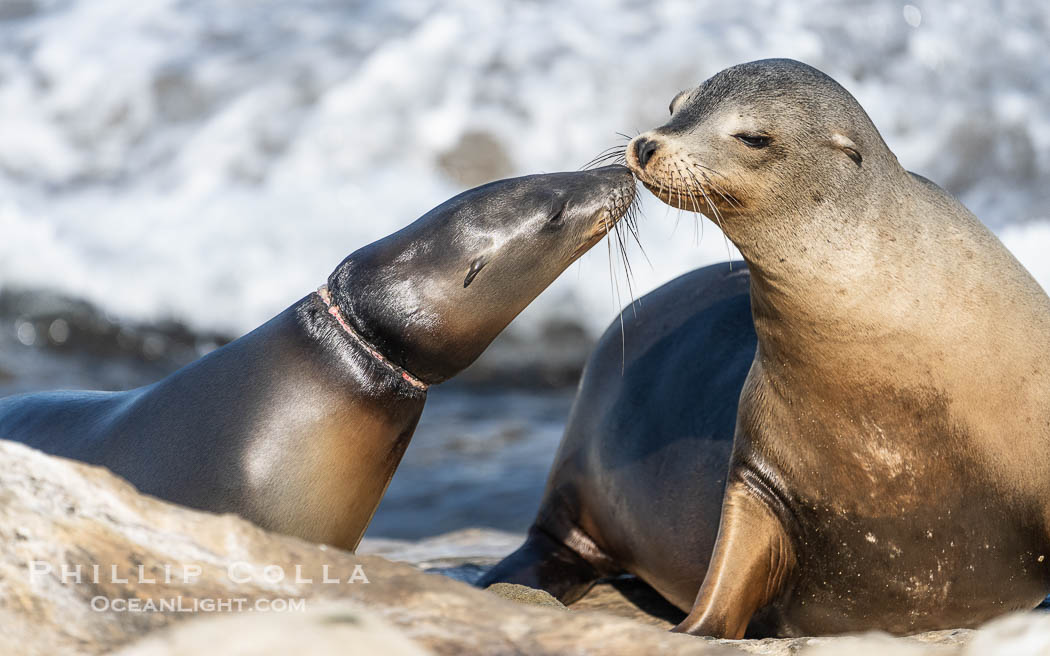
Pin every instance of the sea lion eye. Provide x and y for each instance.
(753, 140)
(556, 214)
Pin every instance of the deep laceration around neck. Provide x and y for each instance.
(335, 311)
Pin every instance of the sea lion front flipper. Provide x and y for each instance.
(751, 560)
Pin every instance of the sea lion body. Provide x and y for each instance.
(299, 425)
(269, 427)
(639, 476)
(887, 469)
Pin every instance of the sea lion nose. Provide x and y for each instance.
(643, 150)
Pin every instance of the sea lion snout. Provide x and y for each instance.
(595, 198)
(599, 207)
(640, 151)
(617, 194)
(615, 179)
(664, 163)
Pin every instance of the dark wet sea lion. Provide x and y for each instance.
(299, 425)
(649, 437)
(888, 467)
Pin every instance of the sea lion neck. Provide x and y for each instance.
(400, 295)
(431, 297)
(337, 313)
(380, 296)
(821, 278)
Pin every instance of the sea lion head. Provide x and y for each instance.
(768, 138)
(432, 296)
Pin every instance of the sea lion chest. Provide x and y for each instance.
(896, 520)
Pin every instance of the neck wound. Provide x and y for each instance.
(337, 313)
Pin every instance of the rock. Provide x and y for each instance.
(475, 546)
(523, 594)
(326, 629)
(463, 555)
(60, 519)
(1021, 633)
(630, 597)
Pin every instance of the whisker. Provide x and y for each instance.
(633, 213)
(616, 293)
(709, 169)
(718, 218)
(628, 271)
(613, 152)
(670, 190)
(604, 155)
(696, 208)
(728, 199)
(703, 170)
(630, 223)
(683, 187)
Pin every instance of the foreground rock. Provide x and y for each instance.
(326, 628)
(59, 520)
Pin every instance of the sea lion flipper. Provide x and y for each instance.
(752, 558)
(545, 563)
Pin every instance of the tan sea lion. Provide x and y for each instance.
(882, 434)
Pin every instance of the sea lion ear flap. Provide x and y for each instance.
(475, 268)
(846, 145)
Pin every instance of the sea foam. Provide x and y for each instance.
(212, 162)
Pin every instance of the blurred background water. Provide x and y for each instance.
(175, 172)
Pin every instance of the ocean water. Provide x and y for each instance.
(211, 162)
(178, 171)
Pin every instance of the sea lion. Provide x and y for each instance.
(887, 467)
(299, 425)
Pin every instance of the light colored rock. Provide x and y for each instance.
(629, 597)
(336, 628)
(478, 546)
(869, 644)
(1023, 634)
(56, 515)
(523, 594)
